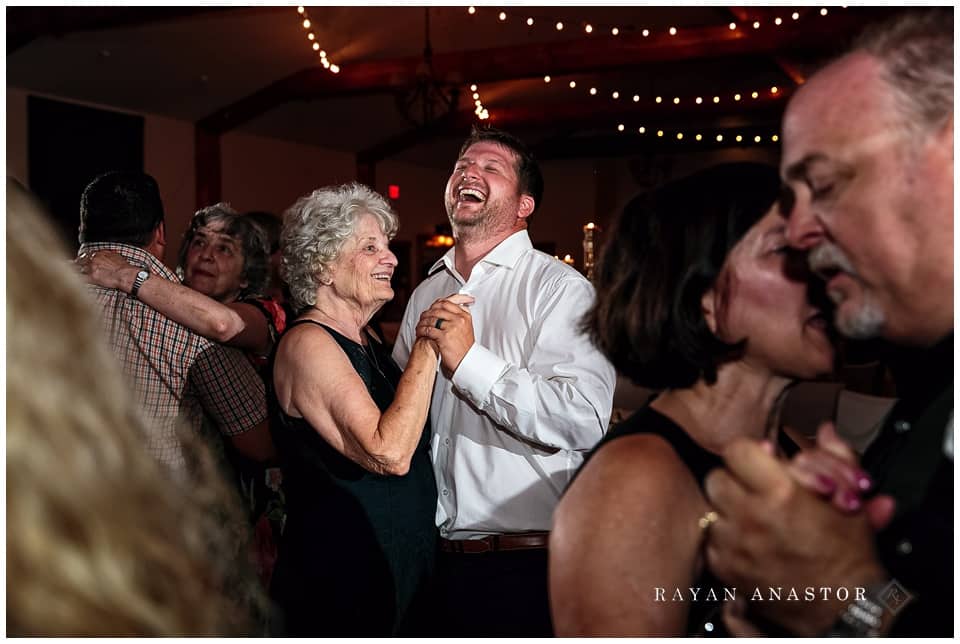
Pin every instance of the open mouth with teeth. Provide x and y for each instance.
(382, 277)
(471, 195)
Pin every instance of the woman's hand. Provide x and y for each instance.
(107, 269)
(832, 470)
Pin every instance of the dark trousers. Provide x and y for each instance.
(492, 594)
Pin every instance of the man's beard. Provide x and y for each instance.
(867, 319)
(864, 322)
(478, 225)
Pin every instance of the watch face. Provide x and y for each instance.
(143, 275)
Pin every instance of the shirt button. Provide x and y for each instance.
(708, 626)
(446, 441)
(902, 426)
(446, 493)
(905, 547)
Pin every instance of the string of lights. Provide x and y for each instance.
(697, 137)
(703, 99)
(616, 94)
(480, 110)
(590, 28)
(307, 24)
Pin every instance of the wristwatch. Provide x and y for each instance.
(865, 616)
(142, 276)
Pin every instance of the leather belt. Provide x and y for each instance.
(497, 543)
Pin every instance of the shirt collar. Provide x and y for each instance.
(134, 255)
(506, 253)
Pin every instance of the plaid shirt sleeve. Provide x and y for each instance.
(229, 388)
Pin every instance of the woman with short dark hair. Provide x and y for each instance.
(698, 295)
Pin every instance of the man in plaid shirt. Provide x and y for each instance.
(177, 375)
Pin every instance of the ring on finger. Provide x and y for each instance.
(709, 518)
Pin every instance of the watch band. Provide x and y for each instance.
(142, 276)
(865, 616)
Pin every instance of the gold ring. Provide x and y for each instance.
(708, 519)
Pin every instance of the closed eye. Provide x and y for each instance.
(821, 192)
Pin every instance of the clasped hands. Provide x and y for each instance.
(794, 525)
(449, 325)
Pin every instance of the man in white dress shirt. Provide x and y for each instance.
(522, 394)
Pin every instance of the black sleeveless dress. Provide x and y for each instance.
(358, 548)
(705, 618)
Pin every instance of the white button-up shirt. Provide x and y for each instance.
(529, 398)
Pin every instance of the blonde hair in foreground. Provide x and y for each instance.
(99, 540)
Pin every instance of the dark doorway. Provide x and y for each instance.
(69, 145)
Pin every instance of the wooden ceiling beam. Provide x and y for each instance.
(584, 55)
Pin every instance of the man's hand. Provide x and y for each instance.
(449, 324)
(773, 532)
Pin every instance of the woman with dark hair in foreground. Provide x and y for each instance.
(698, 295)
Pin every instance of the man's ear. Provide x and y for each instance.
(158, 241)
(708, 306)
(527, 206)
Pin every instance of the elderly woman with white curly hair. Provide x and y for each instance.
(359, 543)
